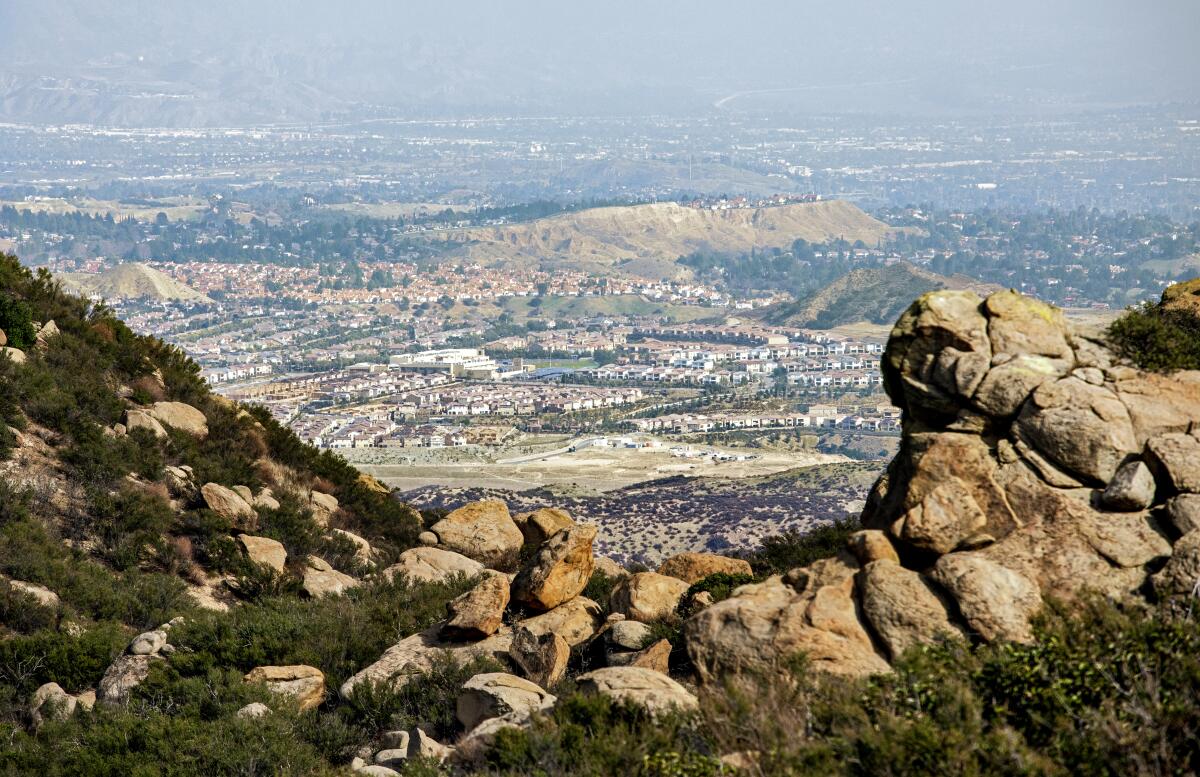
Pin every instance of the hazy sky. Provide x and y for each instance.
(615, 55)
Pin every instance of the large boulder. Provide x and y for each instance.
(694, 567)
(647, 596)
(320, 579)
(540, 525)
(1177, 457)
(15, 355)
(903, 609)
(1131, 489)
(637, 685)
(420, 653)
(40, 593)
(363, 553)
(996, 602)
(181, 416)
(576, 621)
(125, 673)
(51, 702)
(323, 506)
(1181, 575)
(496, 694)
(560, 570)
(305, 684)
(264, 550)
(483, 531)
(478, 613)
(541, 658)
(432, 565)
(226, 503)
(141, 419)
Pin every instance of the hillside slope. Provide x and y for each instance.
(877, 294)
(645, 240)
(131, 280)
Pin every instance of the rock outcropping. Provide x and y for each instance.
(1033, 464)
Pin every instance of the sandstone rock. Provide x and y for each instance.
(1125, 539)
(496, 694)
(542, 659)
(179, 481)
(374, 770)
(245, 493)
(1177, 457)
(362, 549)
(1131, 489)
(125, 673)
(1020, 325)
(44, 596)
(181, 416)
(1183, 296)
(647, 596)
(628, 635)
(148, 643)
(373, 483)
(419, 653)
(254, 710)
(140, 419)
(540, 525)
(763, 625)
(872, 545)
(609, 568)
(1183, 513)
(1081, 427)
(264, 550)
(45, 332)
(15, 355)
(694, 567)
(429, 539)
(938, 352)
(560, 570)
(1006, 387)
(265, 500)
(996, 602)
(432, 565)
(638, 685)
(902, 607)
(226, 503)
(421, 745)
(323, 507)
(51, 702)
(478, 613)
(1181, 575)
(3, 338)
(576, 621)
(1160, 404)
(306, 684)
(656, 657)
(483, 531)
(320, 579)
(472, 748)
(393, 758)
(946, 516)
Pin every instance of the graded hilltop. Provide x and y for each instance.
(645, 240)
(186, 588)
(131, 280)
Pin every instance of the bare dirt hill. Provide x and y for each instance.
(131, 281)
(645, 240)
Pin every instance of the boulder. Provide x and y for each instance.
(483, 531)
(1183, 513)
(576, 621)
(1181, 575)
(432, 565)
(45, 332)
(245, 493)
(1083, 428)
(560, 570)
(1006, 386)
(254, 710)
(323, 506)
(645, 687)
(694, 567)
(496, 694)
(478, 613)
(320, 579)
(540, 525)
(429, 539)
(946, 517)
(43, 595)
(306, 684)
(363, 552)
(180, 481)
(1020, 325)
(421, 745)
(871, 545)
(420, 653)
(51, 702)
(265, 500)
(226, 503)
(647, 596)
(3, 338)
(902, 607)
(609, 568)
(1177, 457)
(472, 749)
(541, 658)
(656, 656)
(996, 602)
(148, 643)
(125, 673)
(181, 416)
(140, 419)
(1131, 489)
(763, 625)
(358, 766)
(1160, 404)
(264, 550)
(628, 635)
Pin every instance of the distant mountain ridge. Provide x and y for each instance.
(132, 281)
(645, 240)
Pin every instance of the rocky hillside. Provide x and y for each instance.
(189, 590)
(131, 281)
(645, 240)
(877, 295)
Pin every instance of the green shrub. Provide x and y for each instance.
(720, 585)
(74, 662)
(16, 320)
(22, 612)
(794, 548)
(1157, 339)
